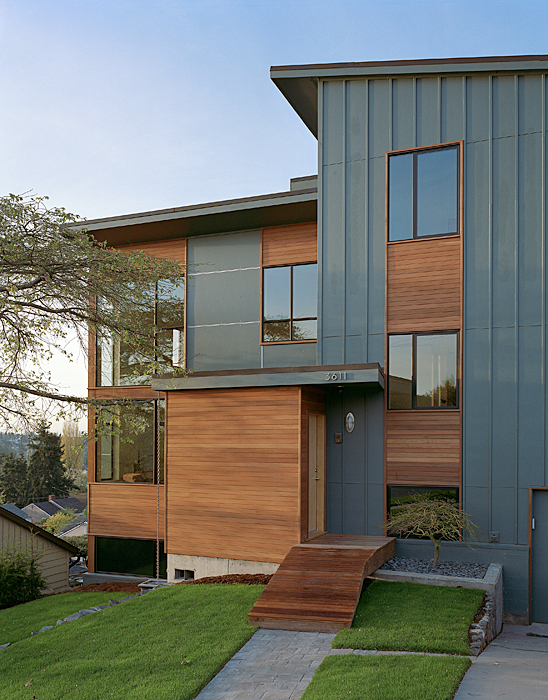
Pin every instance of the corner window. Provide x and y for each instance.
(423, 193)
(130, 455)
(422, 371)
(119, 365)
(290, 303)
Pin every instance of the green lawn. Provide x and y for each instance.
(18, 622)
(387, 678)
(412, 617)
(165, 645)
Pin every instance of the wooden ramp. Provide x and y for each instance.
(319, 583)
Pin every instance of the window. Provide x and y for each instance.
(290, 303)
(116, 555)
(422, 370)
(130, 456)
(117, 362)
(423, 193)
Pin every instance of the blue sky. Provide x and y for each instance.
(118, 106)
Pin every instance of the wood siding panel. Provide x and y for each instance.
(423, 448)
(172, 250)
(285, 245)
(125, 510)
(423, 285)
(312, 401)
(233, 471)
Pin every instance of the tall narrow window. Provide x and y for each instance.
(423, 193)
(422, 371)
(290, 303)
(117, 362)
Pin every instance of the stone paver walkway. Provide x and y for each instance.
(273, 665)
(276, 665)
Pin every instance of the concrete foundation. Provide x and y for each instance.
(213, 566)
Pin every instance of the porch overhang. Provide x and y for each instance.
(369, 375)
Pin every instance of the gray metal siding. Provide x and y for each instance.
(502, 121)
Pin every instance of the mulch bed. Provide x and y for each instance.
(121, 587)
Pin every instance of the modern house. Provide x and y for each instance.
(377, 332)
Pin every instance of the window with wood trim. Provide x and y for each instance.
(290, 303)
(116, 361)
(423, 370)
(130, 453)
(423, 193)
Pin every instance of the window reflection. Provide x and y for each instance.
(400, 358)
(290, 303)
(130, 455)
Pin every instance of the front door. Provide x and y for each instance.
(316, 474)
(539, 555)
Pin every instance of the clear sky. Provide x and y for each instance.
(117, 106)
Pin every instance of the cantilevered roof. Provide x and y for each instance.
(299, 84)
(292, 207)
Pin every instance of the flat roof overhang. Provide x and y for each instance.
(369, 375)
(299, 84)
(293, 207)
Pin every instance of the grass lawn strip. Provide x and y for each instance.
(387, 677)
(412, 617)
(164, 645)
(18, 622)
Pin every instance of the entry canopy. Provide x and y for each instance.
(369, 375)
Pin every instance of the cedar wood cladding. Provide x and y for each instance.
(172, 249)
(287, 245)
(234, 473)
(125, 510)
(423, 293)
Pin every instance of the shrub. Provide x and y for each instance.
(436, 518)
(58, 522)
(20, 576)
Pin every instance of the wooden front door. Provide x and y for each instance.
(316, 474)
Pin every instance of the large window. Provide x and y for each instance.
(117, 362)
(423, 193)
(290, 303)
(115, 555)
(131, 453)
(422, 370)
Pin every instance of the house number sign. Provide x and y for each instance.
(335, 376)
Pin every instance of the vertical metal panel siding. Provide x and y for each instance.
(502, 120)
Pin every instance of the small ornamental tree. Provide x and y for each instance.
(58, 522)
(436, 518)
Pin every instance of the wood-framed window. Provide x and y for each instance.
(117, 364)
(423, 371)
(289, 301)
(423, 192)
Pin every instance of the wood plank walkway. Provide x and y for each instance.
(318, 585)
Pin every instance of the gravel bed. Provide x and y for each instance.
(444, 568)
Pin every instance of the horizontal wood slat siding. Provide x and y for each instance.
(423, 448)
(124, 510)
(423, 285)
(285, 245)
(233, 473)
(172, 249)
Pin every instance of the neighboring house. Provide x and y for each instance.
(16, 511)
(397, 345)
(45, 509)
(78, 527)
(54, 552)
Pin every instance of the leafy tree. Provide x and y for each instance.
(50, 269)
(46, 472)
(58, 522)
(72, 443)
(14, 483)
(436, 518)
